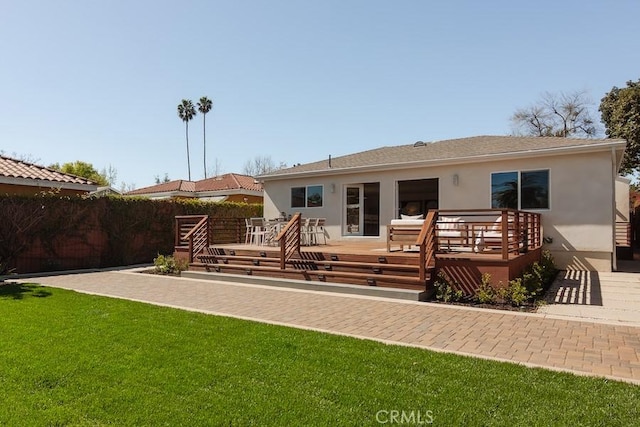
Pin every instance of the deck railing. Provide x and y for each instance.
(226, 230)
(192, 231)
(289, 239)
(623, 233)
(427, 243)
(507, 231)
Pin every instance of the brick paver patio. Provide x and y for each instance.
(582, 347)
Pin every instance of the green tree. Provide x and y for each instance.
(204, 106)
(186, 112)
(562, 115)
(84, 170)
(620, 110)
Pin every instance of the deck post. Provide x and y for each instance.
(426, 240)
(176, 240)
(505, 234)
(289, 239)
(525, 233)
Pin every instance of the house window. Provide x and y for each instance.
(307, 197)
(520, 190)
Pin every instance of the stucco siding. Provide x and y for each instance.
(622, 199)
(578, 225)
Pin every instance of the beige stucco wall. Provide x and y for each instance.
(579, 222)
(622, 199)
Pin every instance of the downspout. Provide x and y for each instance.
(614, 173)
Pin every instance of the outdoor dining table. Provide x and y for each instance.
(273, 228)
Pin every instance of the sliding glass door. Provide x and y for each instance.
(353, 210)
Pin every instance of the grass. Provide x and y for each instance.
(74, 359)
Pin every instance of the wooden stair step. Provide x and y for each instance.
(369, 265)
(369, 279)
(363, 276)
(248, 268)
(240, 260)
(360, 258)
(215, 259)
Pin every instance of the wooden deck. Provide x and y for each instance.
(353, 263)
(362, 262)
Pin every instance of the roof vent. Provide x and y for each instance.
(418, 144)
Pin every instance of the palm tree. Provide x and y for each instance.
(186, 112)
(204, 106)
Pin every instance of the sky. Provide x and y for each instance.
(295, 81)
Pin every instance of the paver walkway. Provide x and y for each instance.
(595, 296)
(582, 347)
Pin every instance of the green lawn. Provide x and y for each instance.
(73, 359)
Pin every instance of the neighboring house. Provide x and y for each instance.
(573, 183)
(634, 199)
(22, 178)
(229, 187)
(105, 191)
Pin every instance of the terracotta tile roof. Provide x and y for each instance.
(454, 149)
(13, 168)
(166, 187)
(230, 181)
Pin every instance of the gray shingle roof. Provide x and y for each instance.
(448, 150)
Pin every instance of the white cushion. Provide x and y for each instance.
(449, 233)
(407, 222)
(449, 223)
(402, 216)
(497, 224)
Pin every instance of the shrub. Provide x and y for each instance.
(517, 294)
(545, 271)
(535, 280)
(486, 294)
(167, 264)
(445, 289)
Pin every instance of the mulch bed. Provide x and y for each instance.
(525, 308)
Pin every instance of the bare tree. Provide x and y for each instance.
(216, 170)
(27, 158)
(261, 165)
(110, 174)
(562, 114)
(126, 187)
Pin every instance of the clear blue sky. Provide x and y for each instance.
(295, 80)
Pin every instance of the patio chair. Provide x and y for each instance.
(490, 237)
(272, 228)
(404, 231)
(317, 230)
(451, 233)
(258, 231)
(247, 234)
(305, 231)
